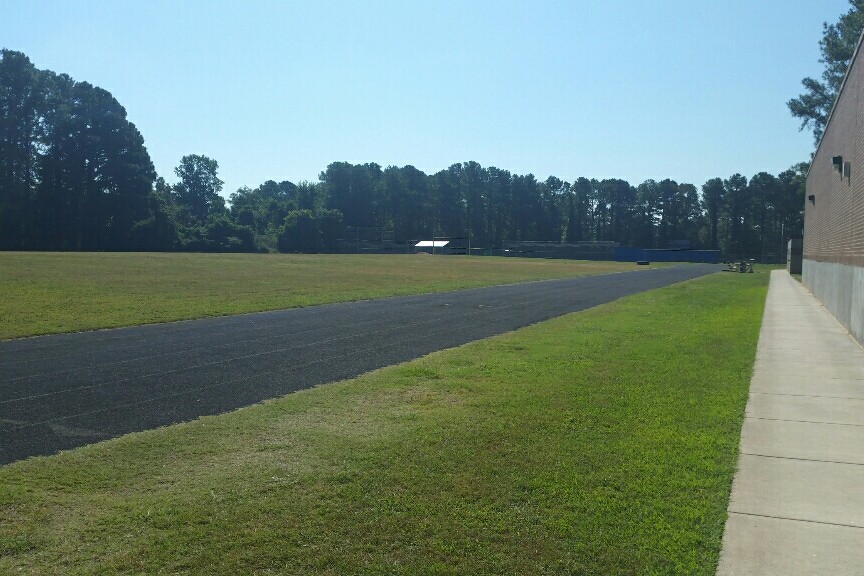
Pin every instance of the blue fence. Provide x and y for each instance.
(626, 254)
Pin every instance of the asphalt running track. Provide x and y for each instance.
(62, 391)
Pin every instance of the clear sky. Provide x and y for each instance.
(631, 89)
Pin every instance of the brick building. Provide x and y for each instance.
(833, 266)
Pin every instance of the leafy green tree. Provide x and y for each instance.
(837, 47)
(571, 231)
(790, 206)
(118, 176)
(616, 208)
(765, 191)
(199, 188)
(264, 208)
(578, 224)
(643, 227)
(737, 215)
(354, 190)
(74, 173)
(650, 210)
(158, 232)
(551, 225)
(525, 208)
(690, 214)
(21, 105)
(307, 195)
(244, 208)
(224, 235)
(330, 228)
(669, 220)
(407, 204)
(473, 180)
(450, 217)
(77, 172)
(500, 199)
(300, 233)
(712, 204)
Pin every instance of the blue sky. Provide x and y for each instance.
(629, 89)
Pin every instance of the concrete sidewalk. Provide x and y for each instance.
(797, 503)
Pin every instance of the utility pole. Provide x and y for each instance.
(783, 250)
(762, 227)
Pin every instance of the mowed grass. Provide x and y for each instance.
(602, 442)
(45, 293)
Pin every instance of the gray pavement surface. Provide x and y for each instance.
(59, 392)
(797, 502)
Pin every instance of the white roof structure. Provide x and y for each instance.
(432, 244)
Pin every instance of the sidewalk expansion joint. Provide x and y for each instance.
(797, 374)
(807, 421)
(841, 524)
(795, 360)
(803, 459)
(808, 395)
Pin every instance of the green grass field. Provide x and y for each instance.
(602, 442)
(45, 293)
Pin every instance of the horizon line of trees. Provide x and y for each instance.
(75, 175)
(493, 206)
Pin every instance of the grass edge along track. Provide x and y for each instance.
(601, 442)
(46, 293)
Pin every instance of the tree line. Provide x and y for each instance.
(75, 175)
(492, 206)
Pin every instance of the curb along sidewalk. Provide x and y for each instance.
(797, 502)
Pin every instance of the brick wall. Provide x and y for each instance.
(834, 222)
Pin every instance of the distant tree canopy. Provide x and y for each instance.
(494, 207)
(75, 175)
(837, 46)
(197, 193)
